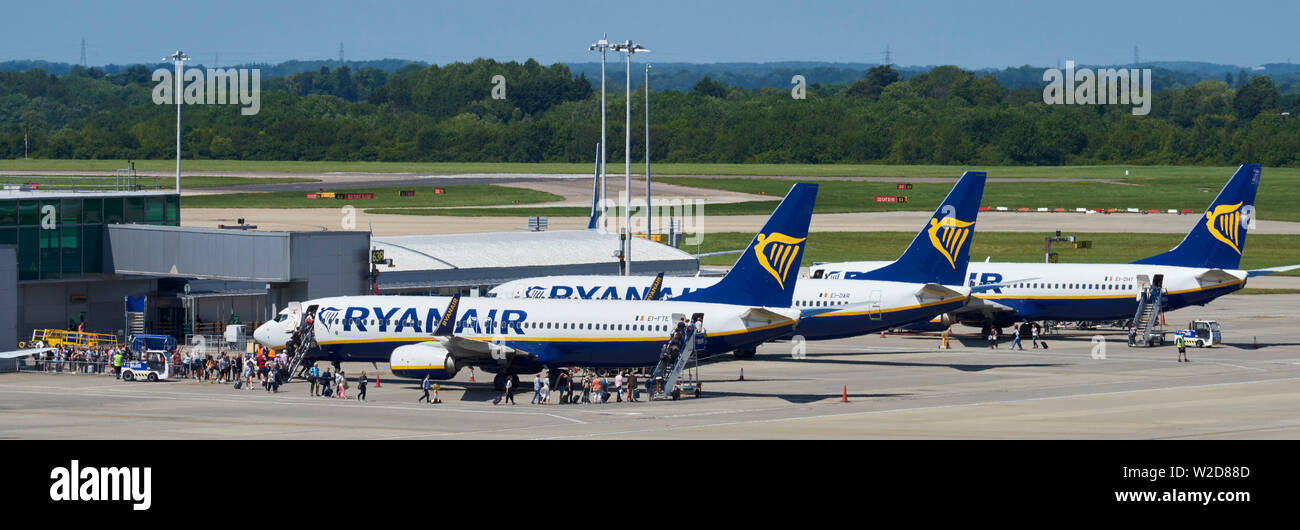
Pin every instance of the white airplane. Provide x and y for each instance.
(1201, 268)
(423, 335)
(926, 280)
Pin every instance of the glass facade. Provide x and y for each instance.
(71, 242)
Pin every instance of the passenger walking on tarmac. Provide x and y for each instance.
(537, 389)
(313, 374)
(325, 380)
(1181, 342)
(342, 385)
(993, 338)
(361, 387)
(631, 387)
(1034, 329)
(586, 389)
(510, 391)
(618, 387)
(1016, 342)
(1132, 335)
(425, 386)
(436, 388)
(273, 383)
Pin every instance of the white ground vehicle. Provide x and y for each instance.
(1202, 333)
(152, 367)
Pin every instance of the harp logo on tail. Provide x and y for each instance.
(1225, 222)
(776, 252)
(948, 235)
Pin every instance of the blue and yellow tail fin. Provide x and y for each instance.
(939, 253)
(767, 270)
(1219, 236)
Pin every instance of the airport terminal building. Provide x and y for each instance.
(73, 258)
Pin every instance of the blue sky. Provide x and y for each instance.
(969, 34)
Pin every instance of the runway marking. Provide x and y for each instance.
(911, 409)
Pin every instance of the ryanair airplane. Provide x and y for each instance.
(440, 335)
(927, 280)
(1201, 268)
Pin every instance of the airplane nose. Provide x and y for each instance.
(259, 334)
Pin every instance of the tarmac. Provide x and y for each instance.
(898, 387)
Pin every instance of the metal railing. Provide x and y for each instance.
(121, 181)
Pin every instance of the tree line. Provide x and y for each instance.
(945, 115)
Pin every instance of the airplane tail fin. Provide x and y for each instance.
(767, 270)
(1219, 236)
(939, 253)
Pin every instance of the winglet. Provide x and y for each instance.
(1219, 236)
(447, 326)
(655, 288)
(765, 274)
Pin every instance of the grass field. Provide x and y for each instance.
(815, 170)
(1273, 201)
(554, 211)
(187, 182)
(467, 195)
(1263, 250)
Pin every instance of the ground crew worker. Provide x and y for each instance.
(1181, 342)
(117, 365)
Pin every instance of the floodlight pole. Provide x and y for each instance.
(648, 226)
(602, 45)
(630, 49)
(179, 57)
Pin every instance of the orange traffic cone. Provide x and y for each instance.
(742, 374)
(882, 334)
(845, 398)
(471, 375)
(376, 380)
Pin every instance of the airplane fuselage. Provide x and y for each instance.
(877, 305)
(555, 332)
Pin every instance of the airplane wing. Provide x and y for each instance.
(1271, 270)
(23, 353)
(479, 350)
(991, 286)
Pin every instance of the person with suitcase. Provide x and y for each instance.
(325, 380)
(425, 386)
(361, 387)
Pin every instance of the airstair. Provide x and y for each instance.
(307, 335)
(670, 372)
(1149, 315)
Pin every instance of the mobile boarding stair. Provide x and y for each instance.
(1149, 316)
(671, 373)
(308, 335)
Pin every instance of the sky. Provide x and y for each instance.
(977, 34)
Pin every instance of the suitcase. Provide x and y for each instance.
(496, 400)
(1044, 343)
(239, 385)
(328, 392)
